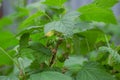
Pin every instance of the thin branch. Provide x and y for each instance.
(48, 17)
(54, 51)
(107, 41)
(10, 57)
(88, 46)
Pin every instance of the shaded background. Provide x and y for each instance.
(7, 7)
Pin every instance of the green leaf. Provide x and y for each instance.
(0, 0)
(92, 12)
(7, 39)
(24, 61)
(24, 39)
(65, 25)
(8, 78)
(4, 59)
(82, 26)
(56, 3)
(5, 21)
(29, 30)
(36, 51)
(31, 19)
(20, 13)
(105, 3)
(25, 35)
(41, 53)
(40, 47)
(118, 76)
(84, 42)
(114, 57)
(3, 77)
(26, 57)
(74, 60)
(36, 5)
(74, 63)
(93, 71)
(49, 76)
(27, 52)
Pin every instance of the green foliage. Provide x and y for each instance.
(114, 57)
(24, 40)
(92, 12)
(65, 25)
(85, 42)
(93, 71)
(4, 59)
(41, 52)
(105, 4)
(32, 19)
(8, 40)
(52, 43)
(50, 76)
(55, 3)
(5, 19)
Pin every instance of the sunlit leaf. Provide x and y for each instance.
(105, 3)
(65, 25)
(93, 13)
(56, 3)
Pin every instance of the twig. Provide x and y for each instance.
(107, 41)
(54, 51)
(10, 57)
